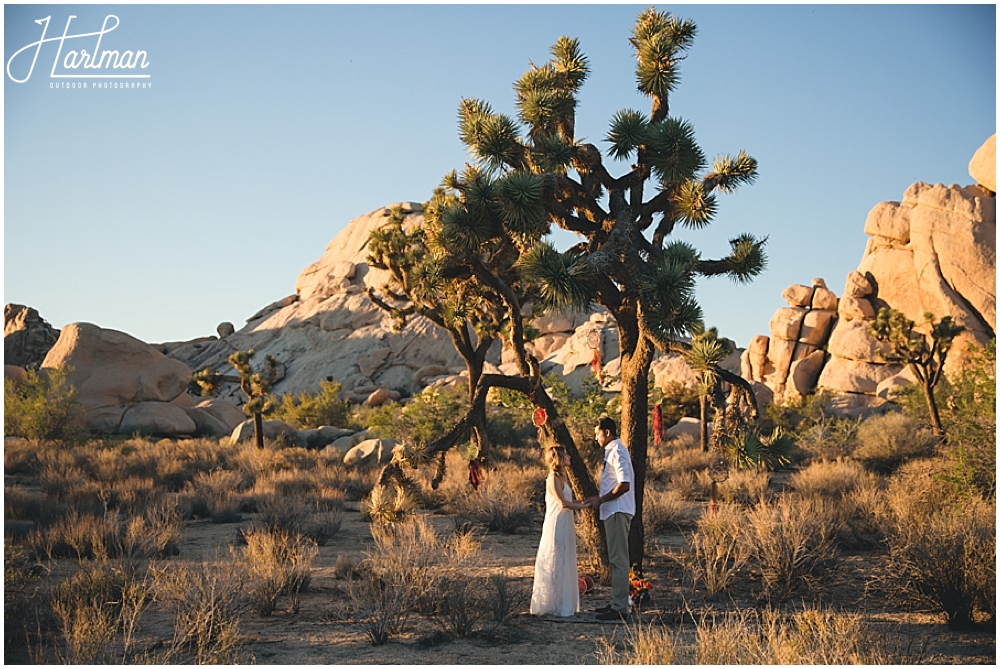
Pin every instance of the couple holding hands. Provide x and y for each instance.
(556, 586)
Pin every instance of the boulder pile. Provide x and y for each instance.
(933, 252)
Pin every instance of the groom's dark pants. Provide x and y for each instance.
(616, 528)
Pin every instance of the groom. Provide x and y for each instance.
(617, 506)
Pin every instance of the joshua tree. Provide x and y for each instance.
(255, 385)
(624, 261)
(911, 348)
(530, 175)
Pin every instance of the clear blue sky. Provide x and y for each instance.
(162, 212)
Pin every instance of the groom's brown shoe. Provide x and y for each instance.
(611, 615)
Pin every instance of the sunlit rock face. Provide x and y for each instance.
(935, 251)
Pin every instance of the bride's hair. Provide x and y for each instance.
(554, 459)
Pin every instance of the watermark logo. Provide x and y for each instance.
(79, 62)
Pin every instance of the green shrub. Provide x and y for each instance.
(430, 415)
(41, 407)
(885, 442)
(310, 410)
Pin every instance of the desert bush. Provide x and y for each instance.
(278, 563)
(692, 485)
(310, 410)
(396, 570)
(664, 511)
(716, 551)
(678, 457)
(749, 637)
(787, 544)
(829, 437)
(431, 413)
(916, 492)
(96, 606)
(21, 585)
(41, 407)
(207, 601)
(884, 442)
(836, 478)
(221, 491)
(947, 561)
(855, 505)
(503, 502)
(744, 486)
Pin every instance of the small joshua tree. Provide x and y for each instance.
(910, 347)
(704, 356)
(255, 385)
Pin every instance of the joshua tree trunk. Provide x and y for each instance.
(932, 409)
(636, 356)
(258, 429)
(703, 427)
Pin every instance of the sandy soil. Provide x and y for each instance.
(321, 632)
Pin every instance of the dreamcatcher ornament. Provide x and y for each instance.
(475, 474)
(718, 471)
(538, 418)
(594, 341)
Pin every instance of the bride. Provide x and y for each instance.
(556, 588)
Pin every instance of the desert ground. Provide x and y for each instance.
(321, 623)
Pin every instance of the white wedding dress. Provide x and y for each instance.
(556, 588)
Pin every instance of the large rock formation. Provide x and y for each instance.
(26, 336)
(124, 385)
(933, 252)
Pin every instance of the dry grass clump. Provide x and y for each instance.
(278, 564)
(787, 544)
(746, 487)
(854, 500)
(885, 442)
(717, 550)
(97, 612)
(664, 510)
(835, 478)
(946, 561)
(21, 585)
(750, 637)
(207, 601)
(503, 502)
(678, 457)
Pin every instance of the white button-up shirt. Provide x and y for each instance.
(617, 469)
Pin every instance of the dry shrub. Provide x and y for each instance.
(681, 455)
(917, 491)
(885, 442)
(207, 601)
(503, 502)
(811, 636)
(692, 485)
(716, 551)
(854, 500)
(278, 563)
(221, 491)
(396, 570)
(746, 487)
(21, 584)
(787, 544)
(947, 562)
(97, 612)
(664, 511)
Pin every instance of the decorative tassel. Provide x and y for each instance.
(475, 475)
(657, 425)
(595, 366)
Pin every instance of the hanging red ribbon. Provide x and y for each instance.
(595, 366)
(657, 425)
(475, 475)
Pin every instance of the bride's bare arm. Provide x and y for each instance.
(557, 488)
